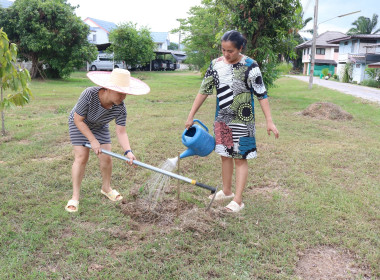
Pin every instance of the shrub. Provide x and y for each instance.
(325, 71)
(284, 68)
(336, 77)
(371, 83)
(373, 73)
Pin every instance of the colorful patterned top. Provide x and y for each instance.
(234, 125)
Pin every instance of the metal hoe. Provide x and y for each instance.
(155, 169)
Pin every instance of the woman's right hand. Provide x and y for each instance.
(95, 145)
(189, 123)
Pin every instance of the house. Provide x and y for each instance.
(5, 3)
(326, 53)
(361, 50)
(99, 30)
(161, 39)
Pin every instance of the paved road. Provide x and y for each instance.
(368, 93)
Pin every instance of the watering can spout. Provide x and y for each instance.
(187, 153)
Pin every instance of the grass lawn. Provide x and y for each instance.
(317, 186)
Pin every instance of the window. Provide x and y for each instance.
(336, 50)
(94, 37)
(304, 51)
(320, 51)
(345, 43)
(357, 65)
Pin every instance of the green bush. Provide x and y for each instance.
(284, 68)
(371, 83)
(372, 73)
(336, 77)
(325, 71)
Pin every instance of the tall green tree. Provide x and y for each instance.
(49, 34)
(364, 25)
(268, 26)
(203, 29)
(11, 78)
(135, 47)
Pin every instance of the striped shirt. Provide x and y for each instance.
(96, 117)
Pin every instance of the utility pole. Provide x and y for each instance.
(312, 55)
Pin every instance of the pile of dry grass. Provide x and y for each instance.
(326, 110)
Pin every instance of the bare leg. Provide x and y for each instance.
(81, 155)
(227, 170)
(241, 166)
(105, 162)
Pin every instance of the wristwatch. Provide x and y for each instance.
(127, 151)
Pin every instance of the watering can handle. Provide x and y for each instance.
(198, 121)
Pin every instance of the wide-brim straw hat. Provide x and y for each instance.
(119, 80)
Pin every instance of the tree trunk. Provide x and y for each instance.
(2, 116)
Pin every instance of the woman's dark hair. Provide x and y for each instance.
(236, 38)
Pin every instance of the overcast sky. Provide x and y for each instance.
(328, 9)
(161, 15)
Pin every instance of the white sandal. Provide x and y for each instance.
(233, 206)
(74, 203)
(221, 196)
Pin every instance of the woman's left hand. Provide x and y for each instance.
(272, 127)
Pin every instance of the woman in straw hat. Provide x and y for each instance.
(89, 123)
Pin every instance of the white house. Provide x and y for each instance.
(326, 53)
(361, 50)
(161, 39)
(99, 30)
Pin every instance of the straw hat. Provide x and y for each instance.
(119, 80)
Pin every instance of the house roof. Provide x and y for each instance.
(358, 36)
(159, 37)
(107, 25)
(326, 61)
(5, 3)
(374, 65)
(323, 40)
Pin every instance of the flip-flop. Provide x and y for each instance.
(112, 195)
(234, 207)
(221, 196)
(74, 203)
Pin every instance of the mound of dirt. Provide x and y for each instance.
(328, 263)
(326, 110)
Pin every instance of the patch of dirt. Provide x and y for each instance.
(169, 214)
(268, 190)
(95, 267)
(326, 111)
(327, 263)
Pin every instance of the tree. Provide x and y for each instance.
(203, 29)
(135, 47)
(268, 26)
(49, 34)
(364, 25)
(173, 46)
(11, 77)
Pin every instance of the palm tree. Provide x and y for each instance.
(364, 25)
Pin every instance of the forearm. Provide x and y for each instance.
(264, 104)
(199, 99)
(122, 137)
(83, 128)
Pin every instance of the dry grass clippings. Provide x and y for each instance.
(326, 111)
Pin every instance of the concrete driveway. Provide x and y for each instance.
(367, 93)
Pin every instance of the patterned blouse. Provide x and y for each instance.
(234, 125)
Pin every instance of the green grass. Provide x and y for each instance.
(324, 176)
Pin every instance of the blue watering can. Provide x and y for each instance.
(198, 141)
